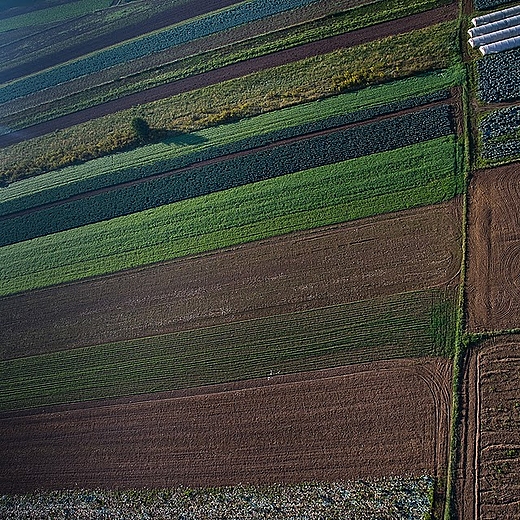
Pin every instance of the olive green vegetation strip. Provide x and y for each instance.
(406, 325)
(101, 172)
(415, 175)
(380, 61)
(329, 26)
(53, 14)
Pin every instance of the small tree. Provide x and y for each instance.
(141, 129)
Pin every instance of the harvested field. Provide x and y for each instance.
(301, 52)
(493, 281)
(394, 497)
(372, 257)
(370, 420)
(492, 419)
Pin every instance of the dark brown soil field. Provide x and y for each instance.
(493, 448)
(372, 257)
(493, 279)
(237, 70)
(374, 420)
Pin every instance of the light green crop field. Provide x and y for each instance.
(420, 174)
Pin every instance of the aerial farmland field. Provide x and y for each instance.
(258, 259)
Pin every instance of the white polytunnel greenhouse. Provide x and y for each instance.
(497, 15)
(496, 36)
(494, 26)
(502, 45)
(496, 32)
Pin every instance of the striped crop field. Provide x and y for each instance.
(233, 256)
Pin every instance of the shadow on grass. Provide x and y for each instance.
(176, 137)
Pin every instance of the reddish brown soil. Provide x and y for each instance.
(364, 259)
(237, 70)
(157, 21)
(376, 420)
(495, 403)
(493, 281)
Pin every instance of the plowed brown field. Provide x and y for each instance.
(372, 257)
(376, 419)
(491, 416)
(493, 280)
(237, 70)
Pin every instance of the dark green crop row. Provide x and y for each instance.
(370, 138)
(500, 135)
(405, 325)
(149, 169)
(424, 173)
(376, 62)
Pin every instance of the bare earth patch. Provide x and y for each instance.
(493, 281)
(490, 466)
(372, 420)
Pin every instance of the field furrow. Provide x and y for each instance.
(369, 258)
(377, 419)
(406, 325)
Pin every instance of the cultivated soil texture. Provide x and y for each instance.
(373, 420)
(491, 420)
(236, 70)
(493, 268)
(367, 258)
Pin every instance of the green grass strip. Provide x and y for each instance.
(53, 14)
(405, 325)
(380, 61)
(106, 168)
(416, 175)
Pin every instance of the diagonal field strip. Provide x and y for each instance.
(377, 419)
(233, 71)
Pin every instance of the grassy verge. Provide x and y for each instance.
(90, 92)
(378, 183)
(373, 63)
(382, 328)
(175, 151)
